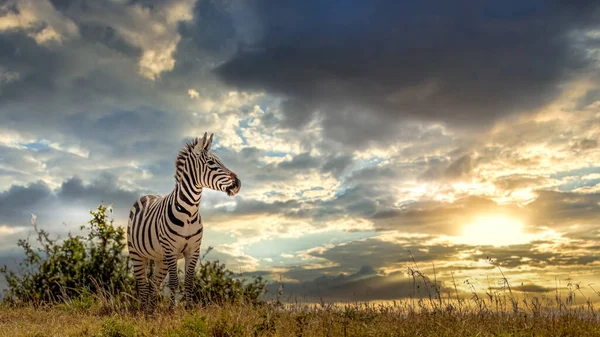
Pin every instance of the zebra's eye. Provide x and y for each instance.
(210, 162)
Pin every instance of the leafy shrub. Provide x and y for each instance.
(214, 283)
(70, 270)
(55, 271)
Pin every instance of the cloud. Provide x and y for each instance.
(151, 28)
(193, 93)
(381, 254)
(519, 181)
(38, 19)
(17, 203)
(563, 209)
(409, 125)
(300, 162)
(585, 144)
(540, 254)
(363, 285)
(336, 164)
(254, 207)
(70, 203)
(533, 288)
(338, 272)
(368, 66)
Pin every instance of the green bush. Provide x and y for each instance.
(70, 270)
(54, 271)
(214, 283)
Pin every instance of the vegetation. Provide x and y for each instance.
(241, 319)
(81, 286)
(83, 270)
(56, 271)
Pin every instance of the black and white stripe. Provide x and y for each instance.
(163, 229)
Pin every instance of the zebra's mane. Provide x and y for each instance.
(182, 156)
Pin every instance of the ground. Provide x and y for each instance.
(294, 320)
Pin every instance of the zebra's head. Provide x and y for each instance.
(212, 172)
(205, 169)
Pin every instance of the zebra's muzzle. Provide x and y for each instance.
(234, 188)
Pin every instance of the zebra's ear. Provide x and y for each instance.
(200, 144)
(208, 143)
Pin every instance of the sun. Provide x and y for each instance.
(494, 230)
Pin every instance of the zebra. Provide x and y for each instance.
(165, 228)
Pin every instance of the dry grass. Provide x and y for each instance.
(498, 311)
(401, 319)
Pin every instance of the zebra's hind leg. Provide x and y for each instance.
(141, 279)
(160, 271)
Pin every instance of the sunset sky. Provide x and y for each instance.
(362, 130)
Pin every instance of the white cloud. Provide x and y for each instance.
(193, 94)
(153, 30)
(72, 148)
(40, 20)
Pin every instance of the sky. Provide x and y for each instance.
(370, 136)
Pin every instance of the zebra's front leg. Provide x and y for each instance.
(191, 259)
(171, 262)
(160, 271)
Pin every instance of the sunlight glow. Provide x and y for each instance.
(494, 230)
(7, 230)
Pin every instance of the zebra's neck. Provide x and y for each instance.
(187, 195)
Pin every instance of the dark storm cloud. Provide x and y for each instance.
(585, 144)
(104, 188)
(95, 73)
(590, 97)
(336, 164)
(360, 201)
(367, 64)
(213, 27)
(373, 174)
(36, 65)
(460, 168)
(95, 32)
(563, 209)
(108, 36)
(132, 133)
(378, 254)
(531, 255)
(18, 202)
(302, 161)
(439, 168)
(57, 87)
(364, 285)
